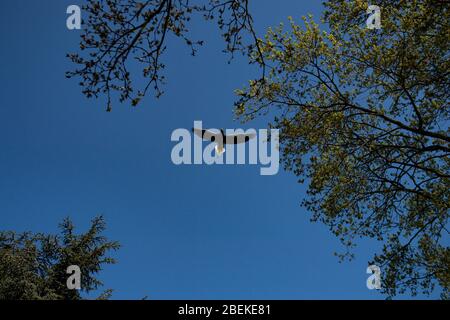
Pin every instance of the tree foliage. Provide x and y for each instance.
(118, 33)
(363, 113)
(33, 266)
(364, 119)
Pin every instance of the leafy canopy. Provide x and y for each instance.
(121, 33)
(364, 119)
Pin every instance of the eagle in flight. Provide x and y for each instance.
(220, 138)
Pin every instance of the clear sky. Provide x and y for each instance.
(187, 232)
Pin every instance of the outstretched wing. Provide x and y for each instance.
(207, 134)
(239, 138)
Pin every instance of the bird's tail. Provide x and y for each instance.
(219, 150)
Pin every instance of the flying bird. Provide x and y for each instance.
(220, 138)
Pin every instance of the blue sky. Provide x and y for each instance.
(187, 232)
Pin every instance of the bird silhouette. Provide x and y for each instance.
(220, 138)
